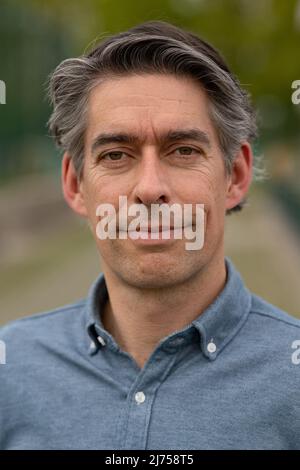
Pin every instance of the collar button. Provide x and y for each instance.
(101, 340)
(211, 347)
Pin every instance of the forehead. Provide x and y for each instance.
(142, 102)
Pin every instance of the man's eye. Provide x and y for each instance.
(187, 151)
(112, 156)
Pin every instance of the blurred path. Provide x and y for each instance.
(47, 253)
(266, 250)
(49, 257)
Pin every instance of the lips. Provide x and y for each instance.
(154, 229)
(159, 229)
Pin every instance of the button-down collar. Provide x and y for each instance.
(216, 326)
(222, 320)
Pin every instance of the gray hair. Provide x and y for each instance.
(151, 47)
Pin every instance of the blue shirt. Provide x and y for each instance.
(228, 380)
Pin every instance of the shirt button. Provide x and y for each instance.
(101, 340)
(211, 347)
(140, 397)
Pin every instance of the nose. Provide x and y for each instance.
(151, 186)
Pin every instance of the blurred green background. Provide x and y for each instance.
(48, 256)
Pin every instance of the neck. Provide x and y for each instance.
(139, 318)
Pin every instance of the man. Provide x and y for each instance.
(169, 350)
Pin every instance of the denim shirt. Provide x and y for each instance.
(228, 380)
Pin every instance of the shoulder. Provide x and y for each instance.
(33, 345)
(38, 351)
(263, 311)
(272, 336)
(45, 324)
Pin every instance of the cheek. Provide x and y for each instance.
(205, 188)
(97, 188)
(214, 186)
(97, 191)
(105, 187)
(92, 198)
(210, 189)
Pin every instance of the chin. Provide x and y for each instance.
(158, 275)
(155, 281)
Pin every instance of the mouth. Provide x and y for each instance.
(157, 229)
(154, 229)
(147, 235)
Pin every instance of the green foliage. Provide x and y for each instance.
(260, 40)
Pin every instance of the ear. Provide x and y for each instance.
(71, 186)
(241, 176)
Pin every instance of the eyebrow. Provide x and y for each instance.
(170, 136)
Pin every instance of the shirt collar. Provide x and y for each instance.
(216, 325)
(224, 317)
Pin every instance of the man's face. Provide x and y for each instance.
(153, 169)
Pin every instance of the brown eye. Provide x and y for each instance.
(113, 156)
(187, 151)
